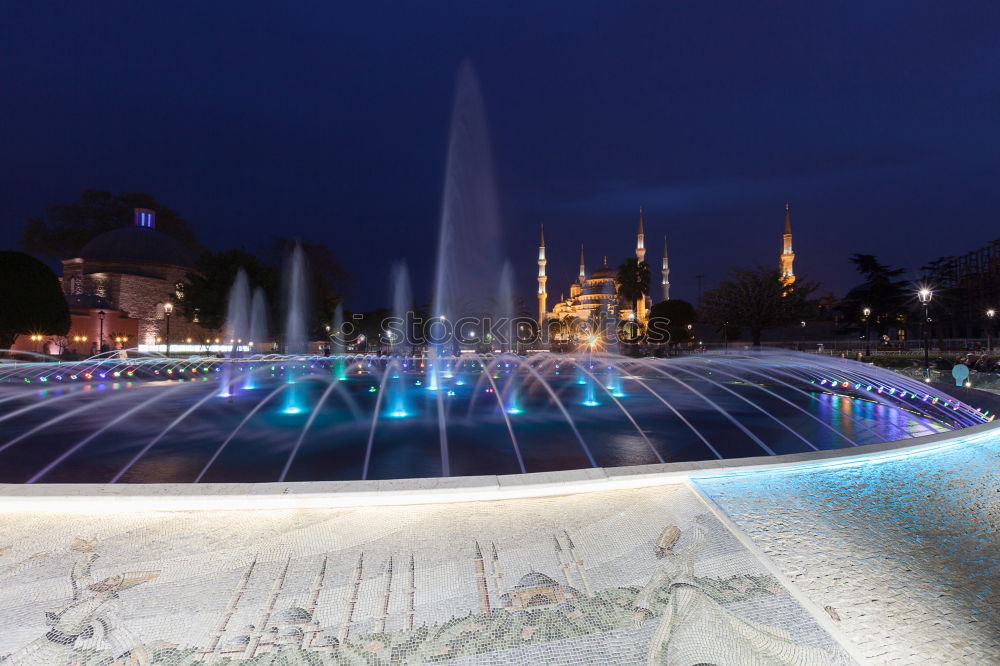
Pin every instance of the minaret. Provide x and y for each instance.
(352, 601)
(665, 281)
(787, 256)
(640, 243)
(497, 576)
(583, 273)
(542, 296)
(640, 255)
(314, 592)
(386, 594)
(227, 616)
(265, 617)
(579, 565)
(411, 591)
(484, 593)
(562, 561)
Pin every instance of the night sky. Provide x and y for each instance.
(880, 122)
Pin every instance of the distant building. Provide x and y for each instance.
(598, 292)
(130, 274)
(787, 257)
(965, 288)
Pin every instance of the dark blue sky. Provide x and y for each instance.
(878, 121)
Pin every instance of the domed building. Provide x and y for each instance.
(136, 274)
(536, 590)
(597, 293)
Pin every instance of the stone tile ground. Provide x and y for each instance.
(903, 549)
(565, 580)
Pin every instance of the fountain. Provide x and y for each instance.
(295, 327)
(237, 326)
(445, 407)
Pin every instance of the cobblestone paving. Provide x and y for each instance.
(903, 549)
(599, 578)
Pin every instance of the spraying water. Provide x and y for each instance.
(237, 325)
(295, 325)
(395, 382)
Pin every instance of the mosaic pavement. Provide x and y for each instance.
(892, 559)
(625, 577)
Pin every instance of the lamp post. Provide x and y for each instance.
(868, 329)
(168, 309)
(989, 329)
(925, 296)
(100, 338)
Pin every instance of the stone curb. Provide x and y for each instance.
(99, 498)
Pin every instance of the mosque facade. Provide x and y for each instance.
(597, 293)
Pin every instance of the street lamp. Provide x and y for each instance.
(868, 329)
(100, 339)
(989, 329)
(925, 296)
(168, 309)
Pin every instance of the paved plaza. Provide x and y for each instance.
(889, 559)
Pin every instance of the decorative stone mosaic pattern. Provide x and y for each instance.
(904, 550)
(623, 577)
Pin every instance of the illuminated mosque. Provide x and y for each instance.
(598, 292)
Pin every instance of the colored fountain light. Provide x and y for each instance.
(374, 406)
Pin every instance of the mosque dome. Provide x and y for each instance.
(293, 615)
(535, 579)
(290, 634)
(140, 245)
(604, 273)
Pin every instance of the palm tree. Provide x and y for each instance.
(633, 281)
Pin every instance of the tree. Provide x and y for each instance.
(66, 228)
(328, 280)
(669, 321)
(757, 299)
(633, 281)
(881, 292)
(31, 300)
(207, 293)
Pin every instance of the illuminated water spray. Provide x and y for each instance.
(295, 328)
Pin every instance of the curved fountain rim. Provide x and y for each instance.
(128, 498)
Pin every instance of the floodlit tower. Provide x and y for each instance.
(665, 281)
(583, 272)
(542, 296)
(640, 242)
(640, 255)
(787, 256)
